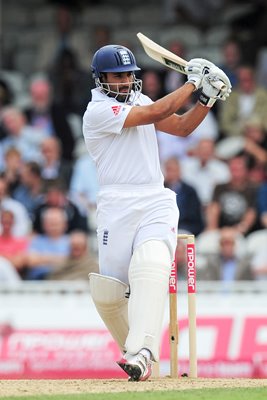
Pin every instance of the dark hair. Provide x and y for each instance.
(55, 184)
(34, 168)
(6, 95)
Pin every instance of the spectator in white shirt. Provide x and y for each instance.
(259, 264)
(182, 147)
(8, 274)
(204, 171)
(83, 191)
(53, 166)
(26, 139)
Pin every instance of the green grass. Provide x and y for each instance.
(196, 394)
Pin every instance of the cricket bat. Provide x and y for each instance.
(167, 58)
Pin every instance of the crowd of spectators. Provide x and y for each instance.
(48, 183)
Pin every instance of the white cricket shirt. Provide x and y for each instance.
(122, 155)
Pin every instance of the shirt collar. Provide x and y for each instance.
(97, 95)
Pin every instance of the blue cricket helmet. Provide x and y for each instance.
(113, 58)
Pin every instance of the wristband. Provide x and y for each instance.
(206, 100)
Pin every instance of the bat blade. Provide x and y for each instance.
(163, 56)
(167, 58)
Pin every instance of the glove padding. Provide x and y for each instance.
(196, 69)
(210, 92)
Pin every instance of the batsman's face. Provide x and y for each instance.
(120, 84)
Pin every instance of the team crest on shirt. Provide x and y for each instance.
(116, 109)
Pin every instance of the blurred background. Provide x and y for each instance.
(48, 325)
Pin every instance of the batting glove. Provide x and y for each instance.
(196, 69)
(215, 85)
(217, 77)
(206, 65)
(194, 73)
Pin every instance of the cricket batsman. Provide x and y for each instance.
(137, 217)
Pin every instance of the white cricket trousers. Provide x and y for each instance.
(128, 216)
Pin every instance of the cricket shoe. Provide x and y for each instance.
(138, 366)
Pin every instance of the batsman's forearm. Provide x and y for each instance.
(183, 125)
(169, 104)
(161, 110)
(191, 119)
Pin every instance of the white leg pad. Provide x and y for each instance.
(108, 295)
(149, 282)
